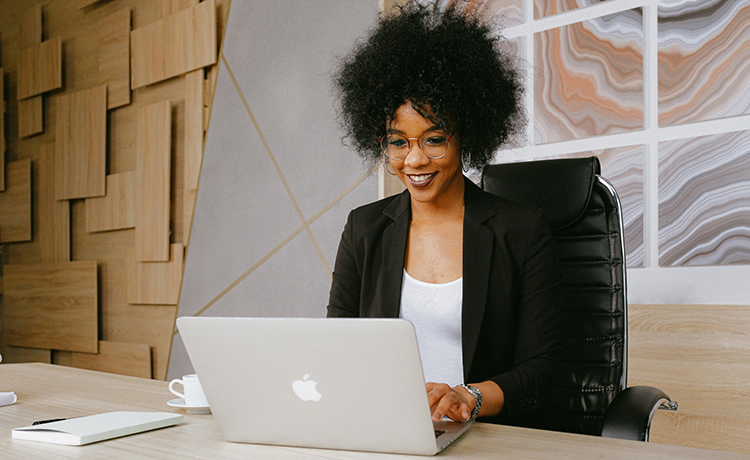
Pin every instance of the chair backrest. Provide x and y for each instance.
(586, 219)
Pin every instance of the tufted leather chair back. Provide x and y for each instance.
(586, 219)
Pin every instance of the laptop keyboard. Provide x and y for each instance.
(438, 433)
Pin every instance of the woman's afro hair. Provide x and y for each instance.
(448, 64)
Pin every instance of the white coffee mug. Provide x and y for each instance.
(193, 392)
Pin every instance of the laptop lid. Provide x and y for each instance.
(352, 384)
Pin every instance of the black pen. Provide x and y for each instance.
(42, 422)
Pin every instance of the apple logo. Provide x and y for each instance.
(305, 389)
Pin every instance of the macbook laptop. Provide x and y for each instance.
(351, 384)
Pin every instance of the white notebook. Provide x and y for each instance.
(93, 428)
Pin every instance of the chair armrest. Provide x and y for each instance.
(629, 415)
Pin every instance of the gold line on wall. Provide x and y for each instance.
(277, 167)
(153, 179)
(305, 226)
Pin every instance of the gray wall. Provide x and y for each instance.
(276, 182)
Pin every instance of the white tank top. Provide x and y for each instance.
(435, 312)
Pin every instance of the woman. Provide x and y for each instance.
(432, 93)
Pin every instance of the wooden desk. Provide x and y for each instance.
(46, 391)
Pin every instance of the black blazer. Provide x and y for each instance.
(510, 301)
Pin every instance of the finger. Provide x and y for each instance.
(449, 404)
(435, 392)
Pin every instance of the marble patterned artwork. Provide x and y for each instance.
(507, 13)
(503, 13)
(623, 168)
(704, 60)
(588, 78)
(704, 200)
(544, 8)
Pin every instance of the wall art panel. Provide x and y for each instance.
(704, 60)
(589, 78)
(544, 8)
(623, 167)
(704, 200)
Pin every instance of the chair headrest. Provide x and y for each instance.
(562, 187)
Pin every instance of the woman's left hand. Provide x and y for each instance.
(456, 403)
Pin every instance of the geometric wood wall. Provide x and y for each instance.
(93, 168)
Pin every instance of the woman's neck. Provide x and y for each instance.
(449, 206)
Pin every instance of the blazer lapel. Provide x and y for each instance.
(477, 257)
(394, 254)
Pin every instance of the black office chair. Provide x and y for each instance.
(584, 211)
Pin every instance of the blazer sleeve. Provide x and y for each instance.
(343, 300)
(537, 329)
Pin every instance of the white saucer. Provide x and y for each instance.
(180, 402)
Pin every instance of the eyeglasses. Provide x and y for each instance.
(434, 144)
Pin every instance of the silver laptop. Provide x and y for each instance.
(352, 384)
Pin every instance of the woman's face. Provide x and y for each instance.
(429, 180)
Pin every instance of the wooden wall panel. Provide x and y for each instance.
(187, 42)
(2, 130)
(26, 355)
(80, 31)
(81, 143)
(118, 358)
(153, 169)
(116, 210)
(84, 3)
(697, 354)
(54, 235)
(52, 306)
(188, 203)
(155, 283)
(15, 203)
(114, 57)
(169, 7)
(30, 27)
(30, 120)
(193, 128)
(30, 116)
(40, 68)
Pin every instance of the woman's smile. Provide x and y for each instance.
(420, 180)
